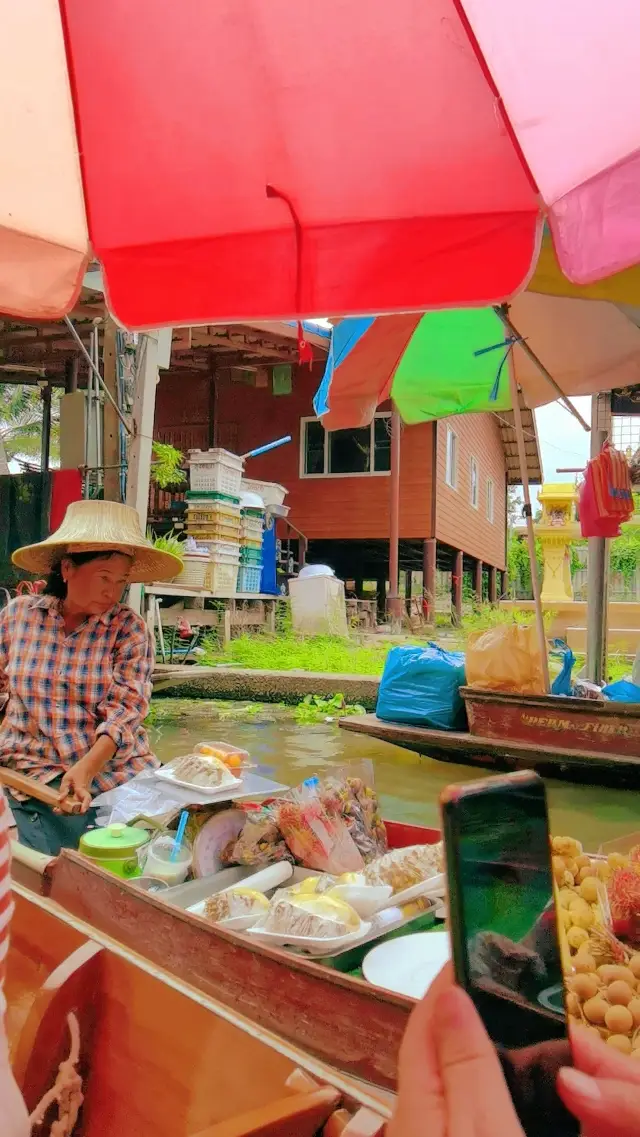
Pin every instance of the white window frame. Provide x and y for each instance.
(451, 475)
(325, 474)
(490, 504)
(474, 467)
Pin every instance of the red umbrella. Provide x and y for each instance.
(245, 159)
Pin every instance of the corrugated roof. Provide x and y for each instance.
(510, 445)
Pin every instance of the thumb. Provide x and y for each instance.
(602, 1105)
(470, 1070)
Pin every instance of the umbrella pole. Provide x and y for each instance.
(502, 310)
(395, 600)
(531, 540)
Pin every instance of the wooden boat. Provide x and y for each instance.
(336, 1017)
(155, 1056)
(543, 720)
(505, 752)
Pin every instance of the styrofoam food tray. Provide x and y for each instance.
(273, 876)
(229, 782)
(310, 944)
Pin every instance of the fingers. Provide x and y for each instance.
(594, 1057)
(420, 1105)
(603, 1106)
(470, 1070)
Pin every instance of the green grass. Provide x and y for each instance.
(287, 652)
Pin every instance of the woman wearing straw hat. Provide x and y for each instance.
(77, 665)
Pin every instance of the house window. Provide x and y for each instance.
(474, 483)
(490, 499)
(344, 453)
(451, 466)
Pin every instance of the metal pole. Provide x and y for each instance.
(45, 452)
(395, 600)
(502, 310)
(531, 540)
(598, 560)
(140, 452)
(95, 371)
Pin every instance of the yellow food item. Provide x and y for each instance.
(611, 971)
(349, 878)
(585, 986)
(305, 887)
(559, 867)
(565, 896)
(578, 903)
(617, 861)
(603, 870)
(618, 1020)
(584, 963)
(634, 1007)
(589, 889)
(583, 861)
(331, 908)
(566, 847)
(620, 993)
(620, 1042)
(582, 917)
(576, 937)
(634, 965)
(635, 1054)
(596, 1009)
(565, 918)
(572, 867)
(233, 761)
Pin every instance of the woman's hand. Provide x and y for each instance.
(450, 1079)
(603, 1090)
(77, 781)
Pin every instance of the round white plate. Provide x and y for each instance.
(408, 964)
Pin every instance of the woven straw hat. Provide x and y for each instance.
(90, 526)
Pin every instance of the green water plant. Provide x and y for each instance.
(315, 708)
(166, 468)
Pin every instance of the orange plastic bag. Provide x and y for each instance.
(505, 658)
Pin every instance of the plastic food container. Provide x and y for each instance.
(159, 864)
(116, 848)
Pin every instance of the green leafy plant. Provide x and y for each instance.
(315, 708)
(625, 553)
(286, 652)
(518, 564)
(490, 616)
(167, 543)
(166, 468)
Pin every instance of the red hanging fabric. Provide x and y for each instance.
(606, 500)
(66, 486)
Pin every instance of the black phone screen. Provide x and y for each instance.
(504, 936)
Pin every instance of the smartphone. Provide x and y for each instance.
(504, 937)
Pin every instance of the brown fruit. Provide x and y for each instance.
(583, 861)
(620, 1042)
(619, 993)
(577, 937)
(619, 1020)
(584, 963)
(634, 1007)
(558, 866)
(585, 986)
(589, 889)
(611, 971)
(596, 1009)
(634, 965)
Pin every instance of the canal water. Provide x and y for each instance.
(408, 784)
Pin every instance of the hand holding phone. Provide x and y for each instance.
(504, 937)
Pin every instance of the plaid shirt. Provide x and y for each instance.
(65, 691)
(6, 900)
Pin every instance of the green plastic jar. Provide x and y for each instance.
(115, 848)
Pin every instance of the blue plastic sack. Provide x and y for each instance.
(421, 685)
(622, 692)
(562, 683)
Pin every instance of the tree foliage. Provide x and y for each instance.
(21, 422)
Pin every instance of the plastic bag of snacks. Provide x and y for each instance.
(403, 868)
(260, 841)
(317, 839)
(350, 795)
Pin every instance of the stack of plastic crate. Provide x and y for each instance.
(213, 514)
(251, 529)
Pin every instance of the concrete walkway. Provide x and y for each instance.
(262, 686)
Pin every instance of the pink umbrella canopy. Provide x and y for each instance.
(243, 160)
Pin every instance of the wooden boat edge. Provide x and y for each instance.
(354, 1093)
(337, 1018)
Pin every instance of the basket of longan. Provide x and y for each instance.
(602, 975)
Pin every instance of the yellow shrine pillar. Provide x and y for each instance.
(557, 528)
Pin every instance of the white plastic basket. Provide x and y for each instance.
(194, 571)
(215, 470)
(222, 577)
(224, 551)
(270, 492)
(251, 529)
